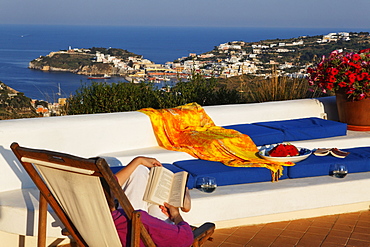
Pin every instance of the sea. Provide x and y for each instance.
(20, 44)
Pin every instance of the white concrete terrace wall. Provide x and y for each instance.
(82, 135)
(92, 135)
(268, 111)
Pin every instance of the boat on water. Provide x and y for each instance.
(98, 77)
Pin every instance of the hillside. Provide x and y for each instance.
(288, 55)
(14, 104)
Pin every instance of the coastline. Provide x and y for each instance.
(22, 43)
(289, 58)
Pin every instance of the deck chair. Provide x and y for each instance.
(82, 192)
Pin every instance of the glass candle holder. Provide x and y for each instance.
(340, 170)
(206, 184)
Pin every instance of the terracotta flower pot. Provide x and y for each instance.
(355, 113)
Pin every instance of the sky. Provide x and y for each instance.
(217, 13)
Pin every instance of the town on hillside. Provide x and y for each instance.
(291, 57)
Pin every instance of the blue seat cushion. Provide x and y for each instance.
(259, 134)
(225, 175)
(115, 169)
(306, 128)
(357, 161)
(171, 167)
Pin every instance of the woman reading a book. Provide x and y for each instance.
(164, 223)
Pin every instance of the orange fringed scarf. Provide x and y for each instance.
(189, 129)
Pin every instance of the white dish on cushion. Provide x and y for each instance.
(303, 154)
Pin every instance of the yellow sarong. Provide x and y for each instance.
(189, 129)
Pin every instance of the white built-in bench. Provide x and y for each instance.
(119, 137)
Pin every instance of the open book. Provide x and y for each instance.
(333, 151)
(165, 186)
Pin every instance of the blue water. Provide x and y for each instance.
(21, 44)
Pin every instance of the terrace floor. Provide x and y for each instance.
(352, 229)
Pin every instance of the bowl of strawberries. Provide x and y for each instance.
(284, 152)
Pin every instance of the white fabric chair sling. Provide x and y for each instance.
(74, 188)
(81, 193)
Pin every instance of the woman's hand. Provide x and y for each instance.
(127, 170)
(172, 212)
(146, 161)
(164, 210)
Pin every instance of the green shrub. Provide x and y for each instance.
(205, 92)
(114, 97)
(119, 97)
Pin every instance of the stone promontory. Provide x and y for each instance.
(94, 61)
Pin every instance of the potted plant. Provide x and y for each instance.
(348, 75)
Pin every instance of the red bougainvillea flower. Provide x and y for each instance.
(360, 77)
(347, 71)
(330, 85)
(334, 71)
(355, 65)
(342, 84)
(352, 78)
(356, 57)
(345, 60)
(332, 79)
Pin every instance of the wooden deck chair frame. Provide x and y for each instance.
(97, 167)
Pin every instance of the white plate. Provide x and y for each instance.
(303, 154)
